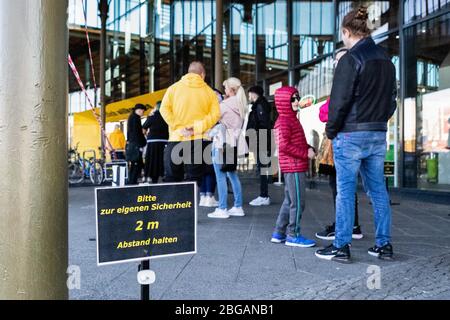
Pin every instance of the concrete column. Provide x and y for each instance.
(218, 83)
(33, 145)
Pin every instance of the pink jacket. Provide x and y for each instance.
(231, 130)
(323, 115)
(291, 140)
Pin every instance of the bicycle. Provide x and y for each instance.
(81, 168)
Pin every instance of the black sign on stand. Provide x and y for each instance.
(145, 222)
(389, 171)
(389, 168)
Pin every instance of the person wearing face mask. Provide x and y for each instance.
(363, 99)
(229, 132)
(326, 166)
(157, 138)
(136, 141)
(259, 122)
(294, 154)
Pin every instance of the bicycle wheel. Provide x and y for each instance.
(96, 173)
(76, 174)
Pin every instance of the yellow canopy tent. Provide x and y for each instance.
(86, 130)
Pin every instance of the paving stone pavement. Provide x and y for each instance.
(235, 259)
(421, 279)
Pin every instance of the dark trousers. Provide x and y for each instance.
(208, 184)
(135, 170)
(265, 177)
(333, 187)
(184, 161)
(118, 155)
(264, 186)
(154, 161)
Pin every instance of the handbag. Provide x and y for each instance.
(325, 158)
(229, 158)
(132, 151)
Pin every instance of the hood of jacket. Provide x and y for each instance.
(283, 101)
(193, 80)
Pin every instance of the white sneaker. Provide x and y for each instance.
(211, 202)
(202, 201)
(236, 212)
(219, 214)
(260, 201)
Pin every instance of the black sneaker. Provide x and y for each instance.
(357, 233)
(328, 233)
(385, 253)
(335, 254)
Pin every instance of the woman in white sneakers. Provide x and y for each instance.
(229, 131)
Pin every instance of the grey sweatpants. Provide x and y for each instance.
(291, 211)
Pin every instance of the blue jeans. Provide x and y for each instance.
(362, 152)
(222, 187)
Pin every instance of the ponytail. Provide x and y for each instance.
(236, 85)
(242, 98)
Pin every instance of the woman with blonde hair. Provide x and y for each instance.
(228, 135)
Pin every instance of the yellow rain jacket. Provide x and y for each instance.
(190, 103)
(117, 139)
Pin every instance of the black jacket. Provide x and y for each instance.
(134, 132)
(260, 118)
(159, 130)
(364, 91)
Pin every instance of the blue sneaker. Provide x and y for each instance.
(278, 237)
(299, 242)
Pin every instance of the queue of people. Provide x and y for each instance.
(198, 134)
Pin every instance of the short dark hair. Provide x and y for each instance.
(258, 90)
(140, 106)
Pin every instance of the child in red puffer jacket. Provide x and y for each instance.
(294, 153)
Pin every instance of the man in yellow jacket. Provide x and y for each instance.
(190, 108)
(118, 142)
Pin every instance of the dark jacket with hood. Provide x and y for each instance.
(364, 91)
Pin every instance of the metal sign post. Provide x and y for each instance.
(146, 277)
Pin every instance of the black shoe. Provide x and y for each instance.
(328, 233)
(357, 233)
(385, 253)
(335, 254)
